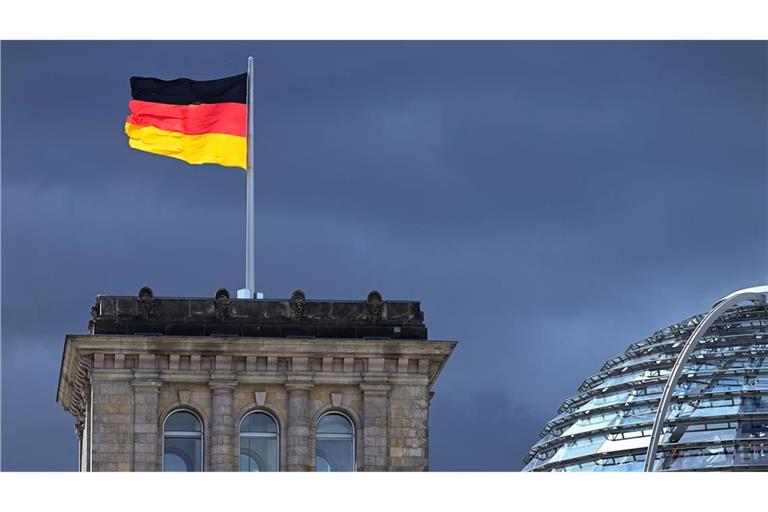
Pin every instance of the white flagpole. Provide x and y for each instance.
(250, 212)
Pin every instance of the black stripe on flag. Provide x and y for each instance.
(184, 91)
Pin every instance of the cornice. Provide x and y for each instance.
(233, 361)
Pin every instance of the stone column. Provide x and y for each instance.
(146, 440)
(298, 446)
(375, 427)
(222, 426)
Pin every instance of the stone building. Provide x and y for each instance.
(226, 384)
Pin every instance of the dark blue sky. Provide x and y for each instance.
(548, 202)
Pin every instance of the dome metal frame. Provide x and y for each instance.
(756, 294)
(715, 409)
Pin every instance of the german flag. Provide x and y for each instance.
(198, 121)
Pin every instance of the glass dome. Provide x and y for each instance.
(717, 419)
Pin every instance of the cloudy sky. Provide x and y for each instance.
(548, 202)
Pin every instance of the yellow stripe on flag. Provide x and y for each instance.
(209, 148)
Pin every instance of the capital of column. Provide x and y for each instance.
(223, 376)
(139, 374)
(376, 377)
(378, 389)
(146, 384)
(297, 387)
(222, 386)
(295, 383)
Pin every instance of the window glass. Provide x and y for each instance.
(182, 454)
(334, 455)
(183, 421)
(182, 442)
(258, 453)
(334, 424)
(334, 444)
(259, 443)
(258, 422)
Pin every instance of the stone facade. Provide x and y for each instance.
(122, 387)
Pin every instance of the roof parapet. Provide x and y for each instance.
(222, 315)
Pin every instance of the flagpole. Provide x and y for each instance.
(250, 212)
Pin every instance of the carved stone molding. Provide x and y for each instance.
(260, 397)
(184, 396)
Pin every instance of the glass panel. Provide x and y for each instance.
(183, 421)
(755, 429)
(634, 376)
(635, 466)
(754, 404)
(182, 454)
(600, 401)
(334, 424)
(591, 423)
(334, 455)
(626, 443)
(711, 457)
(573, 449)
(539, 459)
(550, 435)
(258, 453)
(640, 393)
(752, 454)
(700, 433)
(258, 422)
(639, 415)
(613, 464)
(710, 407)
(601, 443)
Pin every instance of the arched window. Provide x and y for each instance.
(182, 442)
(335, 443)
(259, 441)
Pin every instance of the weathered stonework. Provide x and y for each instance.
(121, 385)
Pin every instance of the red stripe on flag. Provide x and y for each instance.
(227, 118)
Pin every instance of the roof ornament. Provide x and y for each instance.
(222, 303)
(146, 302)
(374, 305)
(94, 316)
(298, 301)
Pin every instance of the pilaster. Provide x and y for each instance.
(375, 426)
(298, 446)
(146, 440)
